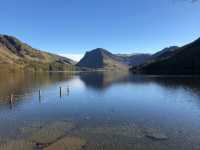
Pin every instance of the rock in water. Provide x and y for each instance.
(17, 145)
(67, 143)
(51, 133)
(155, 135)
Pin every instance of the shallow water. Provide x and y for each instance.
(99, 111)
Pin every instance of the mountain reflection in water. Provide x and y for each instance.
(106, 110)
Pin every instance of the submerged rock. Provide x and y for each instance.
(51, 133)
(155, 134)
(121, 130)
(31, 127)
(87, 118)
(17, 145)
(67, 143)
(25, 131)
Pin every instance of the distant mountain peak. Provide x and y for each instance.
(100, 58)
(198, 40)
(165, 52)
(183, 60)
(99, 50)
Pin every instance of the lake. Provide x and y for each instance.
(99, 111)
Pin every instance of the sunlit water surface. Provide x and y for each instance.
(109, 111)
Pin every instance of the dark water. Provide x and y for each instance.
(110, 111)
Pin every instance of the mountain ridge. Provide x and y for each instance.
(17, 55)
(184, 60)
(100, 58)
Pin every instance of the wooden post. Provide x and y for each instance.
(39, 95)
(60, 91)
(11, 99)
(67, 90)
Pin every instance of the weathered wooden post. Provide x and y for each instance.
(60, 91)
(67, 90)
(11, 98)
(39, 95)
(11, 101)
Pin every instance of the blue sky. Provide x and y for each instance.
(71, 27)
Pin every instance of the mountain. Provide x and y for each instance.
(16, 55)
(102, 59)
(135, 59)
(183, 60)
(166, 52)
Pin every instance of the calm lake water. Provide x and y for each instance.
(100, 111)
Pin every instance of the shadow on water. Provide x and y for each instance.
(187, 82)
(103, 80)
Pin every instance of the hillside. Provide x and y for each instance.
(183, 60)
(16, 55)
(166, 52)
(102, 59)
(135, 59)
